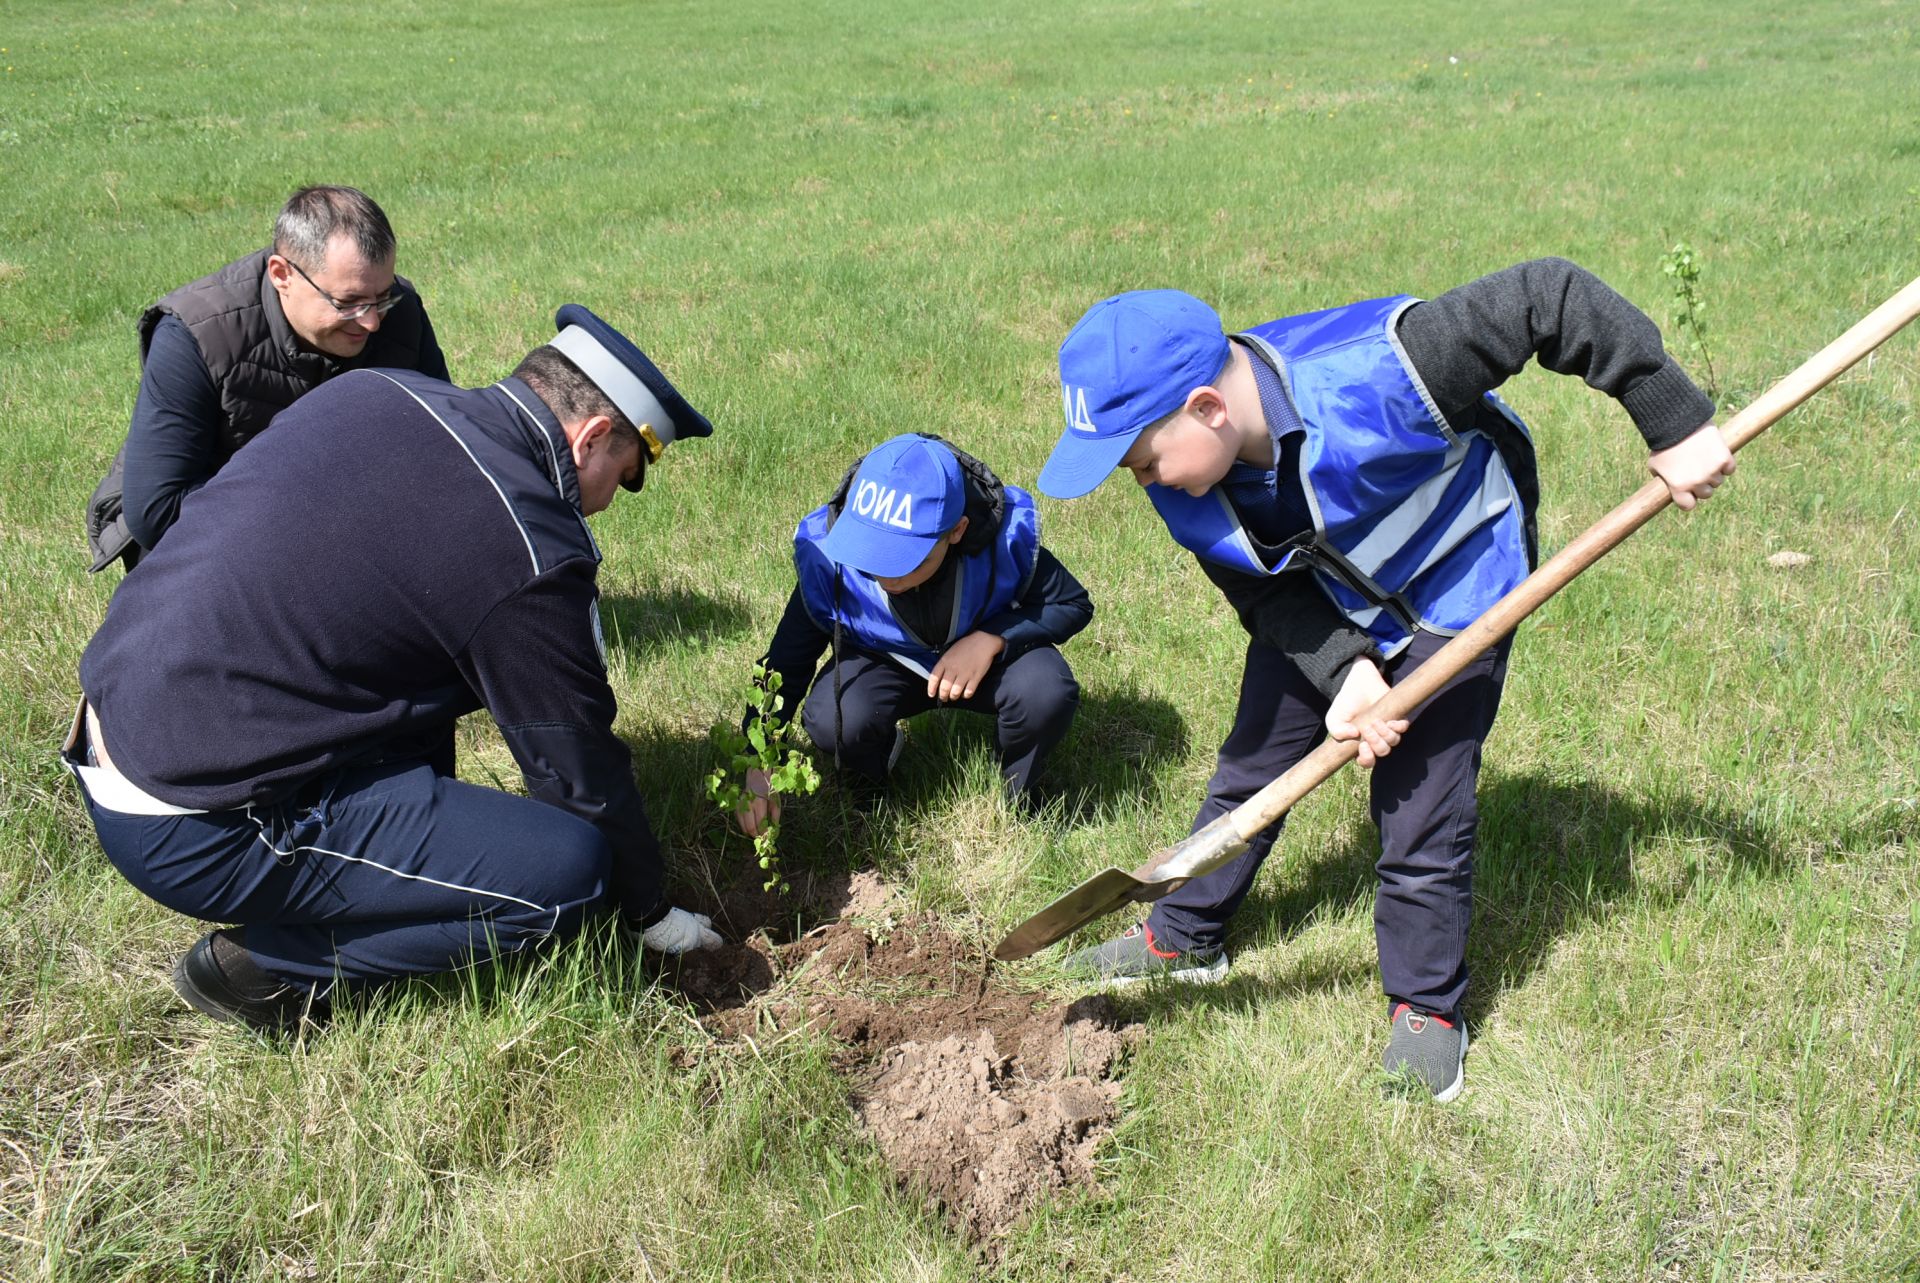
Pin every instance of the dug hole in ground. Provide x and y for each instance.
(984, 1099)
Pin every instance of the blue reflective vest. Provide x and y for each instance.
(1415, 525)
(989, 582)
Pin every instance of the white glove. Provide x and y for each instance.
(680, 931)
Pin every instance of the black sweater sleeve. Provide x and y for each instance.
(173, 444)
(1291, 614)
(794, 653)
(1054, 608)
(1472, 339)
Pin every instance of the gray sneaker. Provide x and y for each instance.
(1427, 1052)
(1134, 957)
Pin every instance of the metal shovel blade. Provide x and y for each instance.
(1170, 869)
(1093, 899)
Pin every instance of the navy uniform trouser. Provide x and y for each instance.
(1032, 700)
(372, 873)
(1423, 804)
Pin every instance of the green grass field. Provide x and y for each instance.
(1697, 942)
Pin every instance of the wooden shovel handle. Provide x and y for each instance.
(1277, 798)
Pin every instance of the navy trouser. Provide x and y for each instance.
(1032, 699)
(1423, 804)
(384, 871)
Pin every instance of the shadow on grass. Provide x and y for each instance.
(637, 625)
(1117, 740)
(1558, 855)
(1554, 856)
(1241, 992)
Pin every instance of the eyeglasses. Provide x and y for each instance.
(353, 311)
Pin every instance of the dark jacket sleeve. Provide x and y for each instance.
(1472, 339)
(173, 443)
(433, 362)
(1291, 614)
(794, 653)
(1053, 608)
(535, 664)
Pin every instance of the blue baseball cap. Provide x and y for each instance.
(630, 380)
(906, 496)
(1128, 363)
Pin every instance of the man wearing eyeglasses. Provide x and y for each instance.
(222, 355)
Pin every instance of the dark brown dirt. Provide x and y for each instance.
(984, 1098)
(720, 980)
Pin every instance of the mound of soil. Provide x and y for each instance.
(988, 1134)
(983, 1097)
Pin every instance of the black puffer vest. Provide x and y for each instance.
(257, 364)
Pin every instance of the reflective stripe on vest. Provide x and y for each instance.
(990, 581)
(1415, 525)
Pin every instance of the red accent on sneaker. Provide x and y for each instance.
(1155, 949)
(1418, 1014)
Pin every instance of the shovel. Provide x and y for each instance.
(1207, 849)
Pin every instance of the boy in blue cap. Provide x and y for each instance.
(925, 577)
(1352, 484)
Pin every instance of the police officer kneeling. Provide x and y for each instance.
(267, 735)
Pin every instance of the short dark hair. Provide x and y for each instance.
(572, 396)
(313, 216)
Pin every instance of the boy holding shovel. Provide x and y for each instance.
(1351, 483)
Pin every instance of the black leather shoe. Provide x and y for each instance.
(218, 978)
